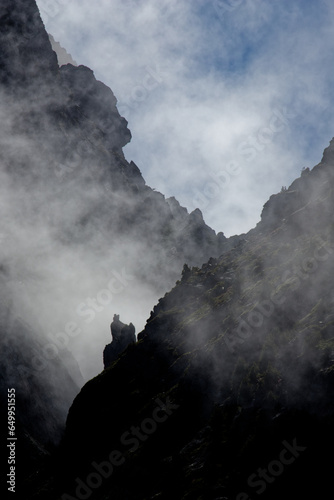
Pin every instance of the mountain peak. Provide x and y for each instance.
(328, 155)
(236, 359)
(25, 46)
(62, 55)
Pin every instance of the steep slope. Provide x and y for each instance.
(25, 47)
(63, 56)
(69, 123)
(77, 219)
(234, 367)
(229, 391)
(43, 393)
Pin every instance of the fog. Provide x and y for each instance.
(221, 69)
(80, 241)
(57, 281)
(67, 267)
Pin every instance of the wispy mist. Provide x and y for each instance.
(222, 69)
(83, 236)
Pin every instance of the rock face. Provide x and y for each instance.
(122, 336)
(63, 56)
(25, 46)
(46, 417)
(240, 352)
(302, 196)
(69, 123)
(234, 363)
(44, 390)
(97, 103)
(66, 185)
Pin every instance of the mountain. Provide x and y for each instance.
(79, 225)
(63, 57)
(228, 391)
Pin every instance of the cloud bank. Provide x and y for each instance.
(200, 83)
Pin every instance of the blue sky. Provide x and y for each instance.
(226, 99)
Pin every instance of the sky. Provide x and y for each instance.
(227, 100)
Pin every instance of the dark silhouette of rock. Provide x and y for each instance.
(243, 350)
(122, 336)
(25, 46)
(96, 102)
(61, 136)
(240, 347)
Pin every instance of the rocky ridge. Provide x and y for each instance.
(238, 355)
(61, 157)
(243, 348)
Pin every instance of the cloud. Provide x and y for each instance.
(223, 68)
(223, 110)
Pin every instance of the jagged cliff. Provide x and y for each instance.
(242, 351)
(69, 123)
(63, 56)
(73, 210)
(26, 54)
(228, 392)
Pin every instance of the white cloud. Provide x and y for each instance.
(203, 97)
(219, 80)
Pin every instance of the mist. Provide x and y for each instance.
(220, 72)
(83, 236)
(57, 274)
(235, 333)
(59, 252)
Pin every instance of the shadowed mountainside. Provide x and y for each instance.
(242, 349)
(73, 209)
(228, 392)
